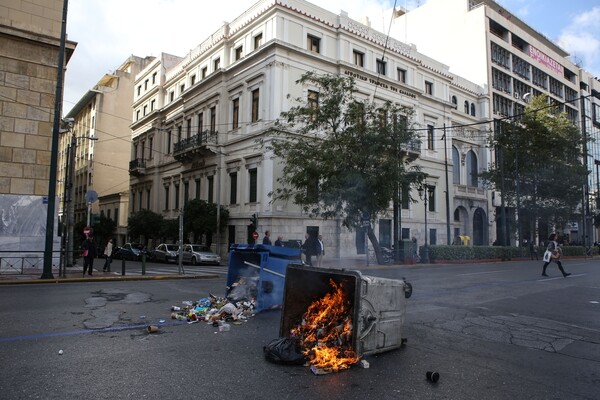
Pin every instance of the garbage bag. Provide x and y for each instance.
(284, 351)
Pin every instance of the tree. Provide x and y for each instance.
(104, 230)
(144, 223)
(200, 218)
(539, 155)
(170, 230)
(343, 157)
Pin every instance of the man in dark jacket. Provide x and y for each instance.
(89, 253)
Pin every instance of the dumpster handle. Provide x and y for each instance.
(264, 269)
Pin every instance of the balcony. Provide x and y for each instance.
(411, 149)
(197, 145)
(137, 167)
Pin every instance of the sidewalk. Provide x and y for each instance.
(75, 273)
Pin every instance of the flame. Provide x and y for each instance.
(325, 332)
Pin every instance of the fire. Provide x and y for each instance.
(325, 332)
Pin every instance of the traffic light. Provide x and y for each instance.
(254, 221)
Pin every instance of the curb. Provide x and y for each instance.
(103, 279)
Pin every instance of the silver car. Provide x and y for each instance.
(199, 254)
(166, 252)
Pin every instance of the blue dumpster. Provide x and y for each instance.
(258, 270)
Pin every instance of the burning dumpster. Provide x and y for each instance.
(374, 309)
(258, 271)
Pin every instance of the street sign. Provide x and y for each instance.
(255, 235)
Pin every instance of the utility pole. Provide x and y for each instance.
(49, 244)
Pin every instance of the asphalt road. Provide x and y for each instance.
(492, 331)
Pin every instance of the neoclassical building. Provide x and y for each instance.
(196, 120)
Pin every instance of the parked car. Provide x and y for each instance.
(130, 251)
(166, 252)
(199, 254)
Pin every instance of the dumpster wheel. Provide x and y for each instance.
(407, 290)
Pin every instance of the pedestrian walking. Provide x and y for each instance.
(267, 238)
(108, 250)
(552, 254)
(89, 253)
(279, 241)
(320, 251)
(309, 248)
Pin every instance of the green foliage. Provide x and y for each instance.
(541, 153)
(144, 223)
(200, 218)
(104, 229)
(344, 156)
(170, 230)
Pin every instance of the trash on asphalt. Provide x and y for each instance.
(152, 328)
(60, 352)
(433, 376)
(218, 311)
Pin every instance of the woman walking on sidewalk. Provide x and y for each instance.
(553, 253)
(89, 253)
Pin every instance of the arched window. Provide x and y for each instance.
(473, 109)
(472, 169)
(466, 107)
(454, 101)
(455, 166)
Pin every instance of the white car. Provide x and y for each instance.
(199, 254)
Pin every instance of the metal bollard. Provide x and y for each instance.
(123, 266)
(143, 263)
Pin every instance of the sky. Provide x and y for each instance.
(109, 31)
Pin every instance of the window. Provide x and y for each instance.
(216, 64)
(200, 120)
(204, 72)
(213, 119)
(150, 145)
(142, 146)
(176, 197)
(140, 201)
(313, 103)
(402, 75)
(154, 78)
(429, 88)
(233, 188)
(146, 84)
(430, 139)
(189, 128)
(193, 80)
(133, 201)
(472, 169)
(179, 134)
(252, 185)
(238, 53)
(186, 192)
(145, 110)
(147, 199)
(381, 67)
(313, 43)
(197, 181)
(466, 107)
(455, 101)
(405, 200)
(236, 114)
(137, 115)
(258, 39)
(473, 109)
(211, 186)
(359, 58)
(182, 88)
(171, 95)
(168, 142)
(152, 105)
(455, 166)
(255, 105)
(431, 199)
(139, 91)
(116, 218)
(166, 197)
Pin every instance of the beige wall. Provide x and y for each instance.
(29, 44)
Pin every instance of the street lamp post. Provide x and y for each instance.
(424, 192)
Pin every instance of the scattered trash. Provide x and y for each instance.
(216, 310)
(433, 376)
(142, 317)
(320, 371)
(161, 321)
(284, 351)
(60, 352)
(152, 328)
(364, 363)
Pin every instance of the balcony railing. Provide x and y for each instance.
(197, 144)
(411, 149)
(137, 167)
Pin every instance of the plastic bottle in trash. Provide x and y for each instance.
(224, 327)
